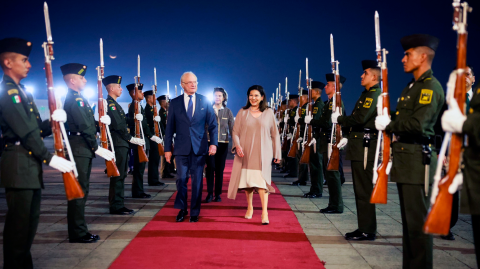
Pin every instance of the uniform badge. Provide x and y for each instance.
(315, 110)
(12, 91)
(303, 111)
(80, 103)
(426, 96)
(330, 106)
(16, 99)
(368, 102)
(478, 90)
(113, 108)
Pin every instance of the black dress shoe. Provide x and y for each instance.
(298, 183)
(94, 236)
(313, 195)
(289, 175)
(342, 181)
(84, 239)
(122, 211)
(194, 219)
(209, 198)
(306, 194)
(181, 215)
(158, 183)
(143, 195)
(359, 236)
(329, 210)
(217, 199)
(449, 236)
(168, 176)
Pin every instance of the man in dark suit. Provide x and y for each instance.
(188, 115)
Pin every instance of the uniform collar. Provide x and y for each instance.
(376, 86)
(10, 80)
(74, 92)
(425, 75)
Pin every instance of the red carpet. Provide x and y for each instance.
(222, 238)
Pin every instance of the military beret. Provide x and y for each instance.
(17, 45)
(317, 85)
(284, 102)
(304, 92)
(160, 98)
(293, 96)
(147, 93)
(131, 87)
(369, 64)
(112, 79)
(74, 68)
(419, 40)
(331, 77)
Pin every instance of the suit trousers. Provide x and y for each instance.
(192, 165)
(116, 193)
(417, 246)
(153, 163)
(215, 167)
(363, 187)
(335, 200)
(77, 226)
(21, 224)
(138, 171)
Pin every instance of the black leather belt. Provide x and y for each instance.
(363, 130)
(74, 133)
(417, 140)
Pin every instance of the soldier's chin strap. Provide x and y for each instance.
(105, 105)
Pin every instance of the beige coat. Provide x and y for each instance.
(271, 148)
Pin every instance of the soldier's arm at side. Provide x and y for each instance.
(81, 121)
(118, 125)
(46, 128)
(472, 128)
(362, 114)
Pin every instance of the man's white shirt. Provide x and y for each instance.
(470, 94)
(186, 99)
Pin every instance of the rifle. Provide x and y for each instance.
(334, 160)
(112, 170)
(438, 218)
(142, 156)
(158, 132)
(380, 175)
(294, 148)
(305, 159)
(73, 190)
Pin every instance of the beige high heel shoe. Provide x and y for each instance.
(265, 220)
(249, 216)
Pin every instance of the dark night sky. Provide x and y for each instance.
(234, 44)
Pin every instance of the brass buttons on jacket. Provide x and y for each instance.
(398, 112)
(30, 153)
(402, 98)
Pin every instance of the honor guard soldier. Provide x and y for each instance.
(335, 202)
(282, 125)
(362, 141)
(138, 167)
(23, 154)
(82, 130)
(292, 163)
(153, 155)
(166, 169)
(316, 157)
(121, 139)
(417, 110)
(300, 118)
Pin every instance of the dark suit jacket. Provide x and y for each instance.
(190, 134)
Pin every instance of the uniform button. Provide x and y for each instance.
(401, 98)
(37, 117)
(30, 152)
(397, 112)
(31, 109)
(470, 110)
(355, 136)
(402, 148)
(44, 161)
(41, 131)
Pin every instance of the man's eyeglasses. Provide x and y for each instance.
(190, 82)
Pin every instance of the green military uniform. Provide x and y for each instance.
(333, 177)
(138, 168)
(292, 163)
(316, 157)
(82, 137)
(120, 138)
(21, 169)
(153, 155)
(361, 124)
(302, 168)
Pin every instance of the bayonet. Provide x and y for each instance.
(47, 23)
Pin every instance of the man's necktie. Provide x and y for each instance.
(467, 101)
(190, 108)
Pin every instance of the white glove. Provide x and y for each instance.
(106, 120)
(312, 142)
(59, 115)
(343, 142)
(299, 140)
(335, 116)
(285, 119)
(381, 122)
(137, 141)
(453, 119)
(61, 164)
(308, 118)
(105, 153)
(139, 117)
(156, 139)
(456, 183)
(157, 118)
(289, 136)
(297, 116)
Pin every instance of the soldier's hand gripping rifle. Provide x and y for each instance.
(158, 131)
(73, 190)
(305, 159)
(438, 218)
(142, 156)
(334, 159)
(294, 148)
(112, 170)
(380, 173)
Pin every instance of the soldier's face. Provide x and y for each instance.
(316, 93)
(303, 99)
(116, 90)
(292, 103)
(140, 95)
(150, 100)
(469, 78)
(412, 60)
(367, 77)
(78, 82)
(330, 88)
(19, 65)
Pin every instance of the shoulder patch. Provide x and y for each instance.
(12, 91)
(368, 102)
(111, 105)
(372, 90)
(427, 79)
(80, 103)
(16, 99)
(330, 106)
(315, 110)
(78, 99)
(425, 96)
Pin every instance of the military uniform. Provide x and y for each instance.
(82, 130)
(362, 133)
(153, 154)
(292, 163)
(138, 168)
(302, 168)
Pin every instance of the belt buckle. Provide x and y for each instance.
(17, 143)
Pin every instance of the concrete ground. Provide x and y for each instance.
(51, 248)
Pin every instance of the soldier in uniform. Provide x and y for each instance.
(362, 141)
(300, 119)
(153, 155)
(121, 139)
(139, 168)
(316, 157)
(335, 202)
(292, 163)
(417, 110)
(166, 169)
(23, 155)
(82, 136)
(282, 125)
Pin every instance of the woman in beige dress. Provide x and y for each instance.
(256, 142)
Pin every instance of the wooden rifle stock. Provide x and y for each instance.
(161, 150)
(112, 170)
(294, 148)
(334, 161)
(305, 159)
(142, 155)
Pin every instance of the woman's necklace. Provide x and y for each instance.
(258, 109)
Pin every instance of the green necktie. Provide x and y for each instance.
(467, 101)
